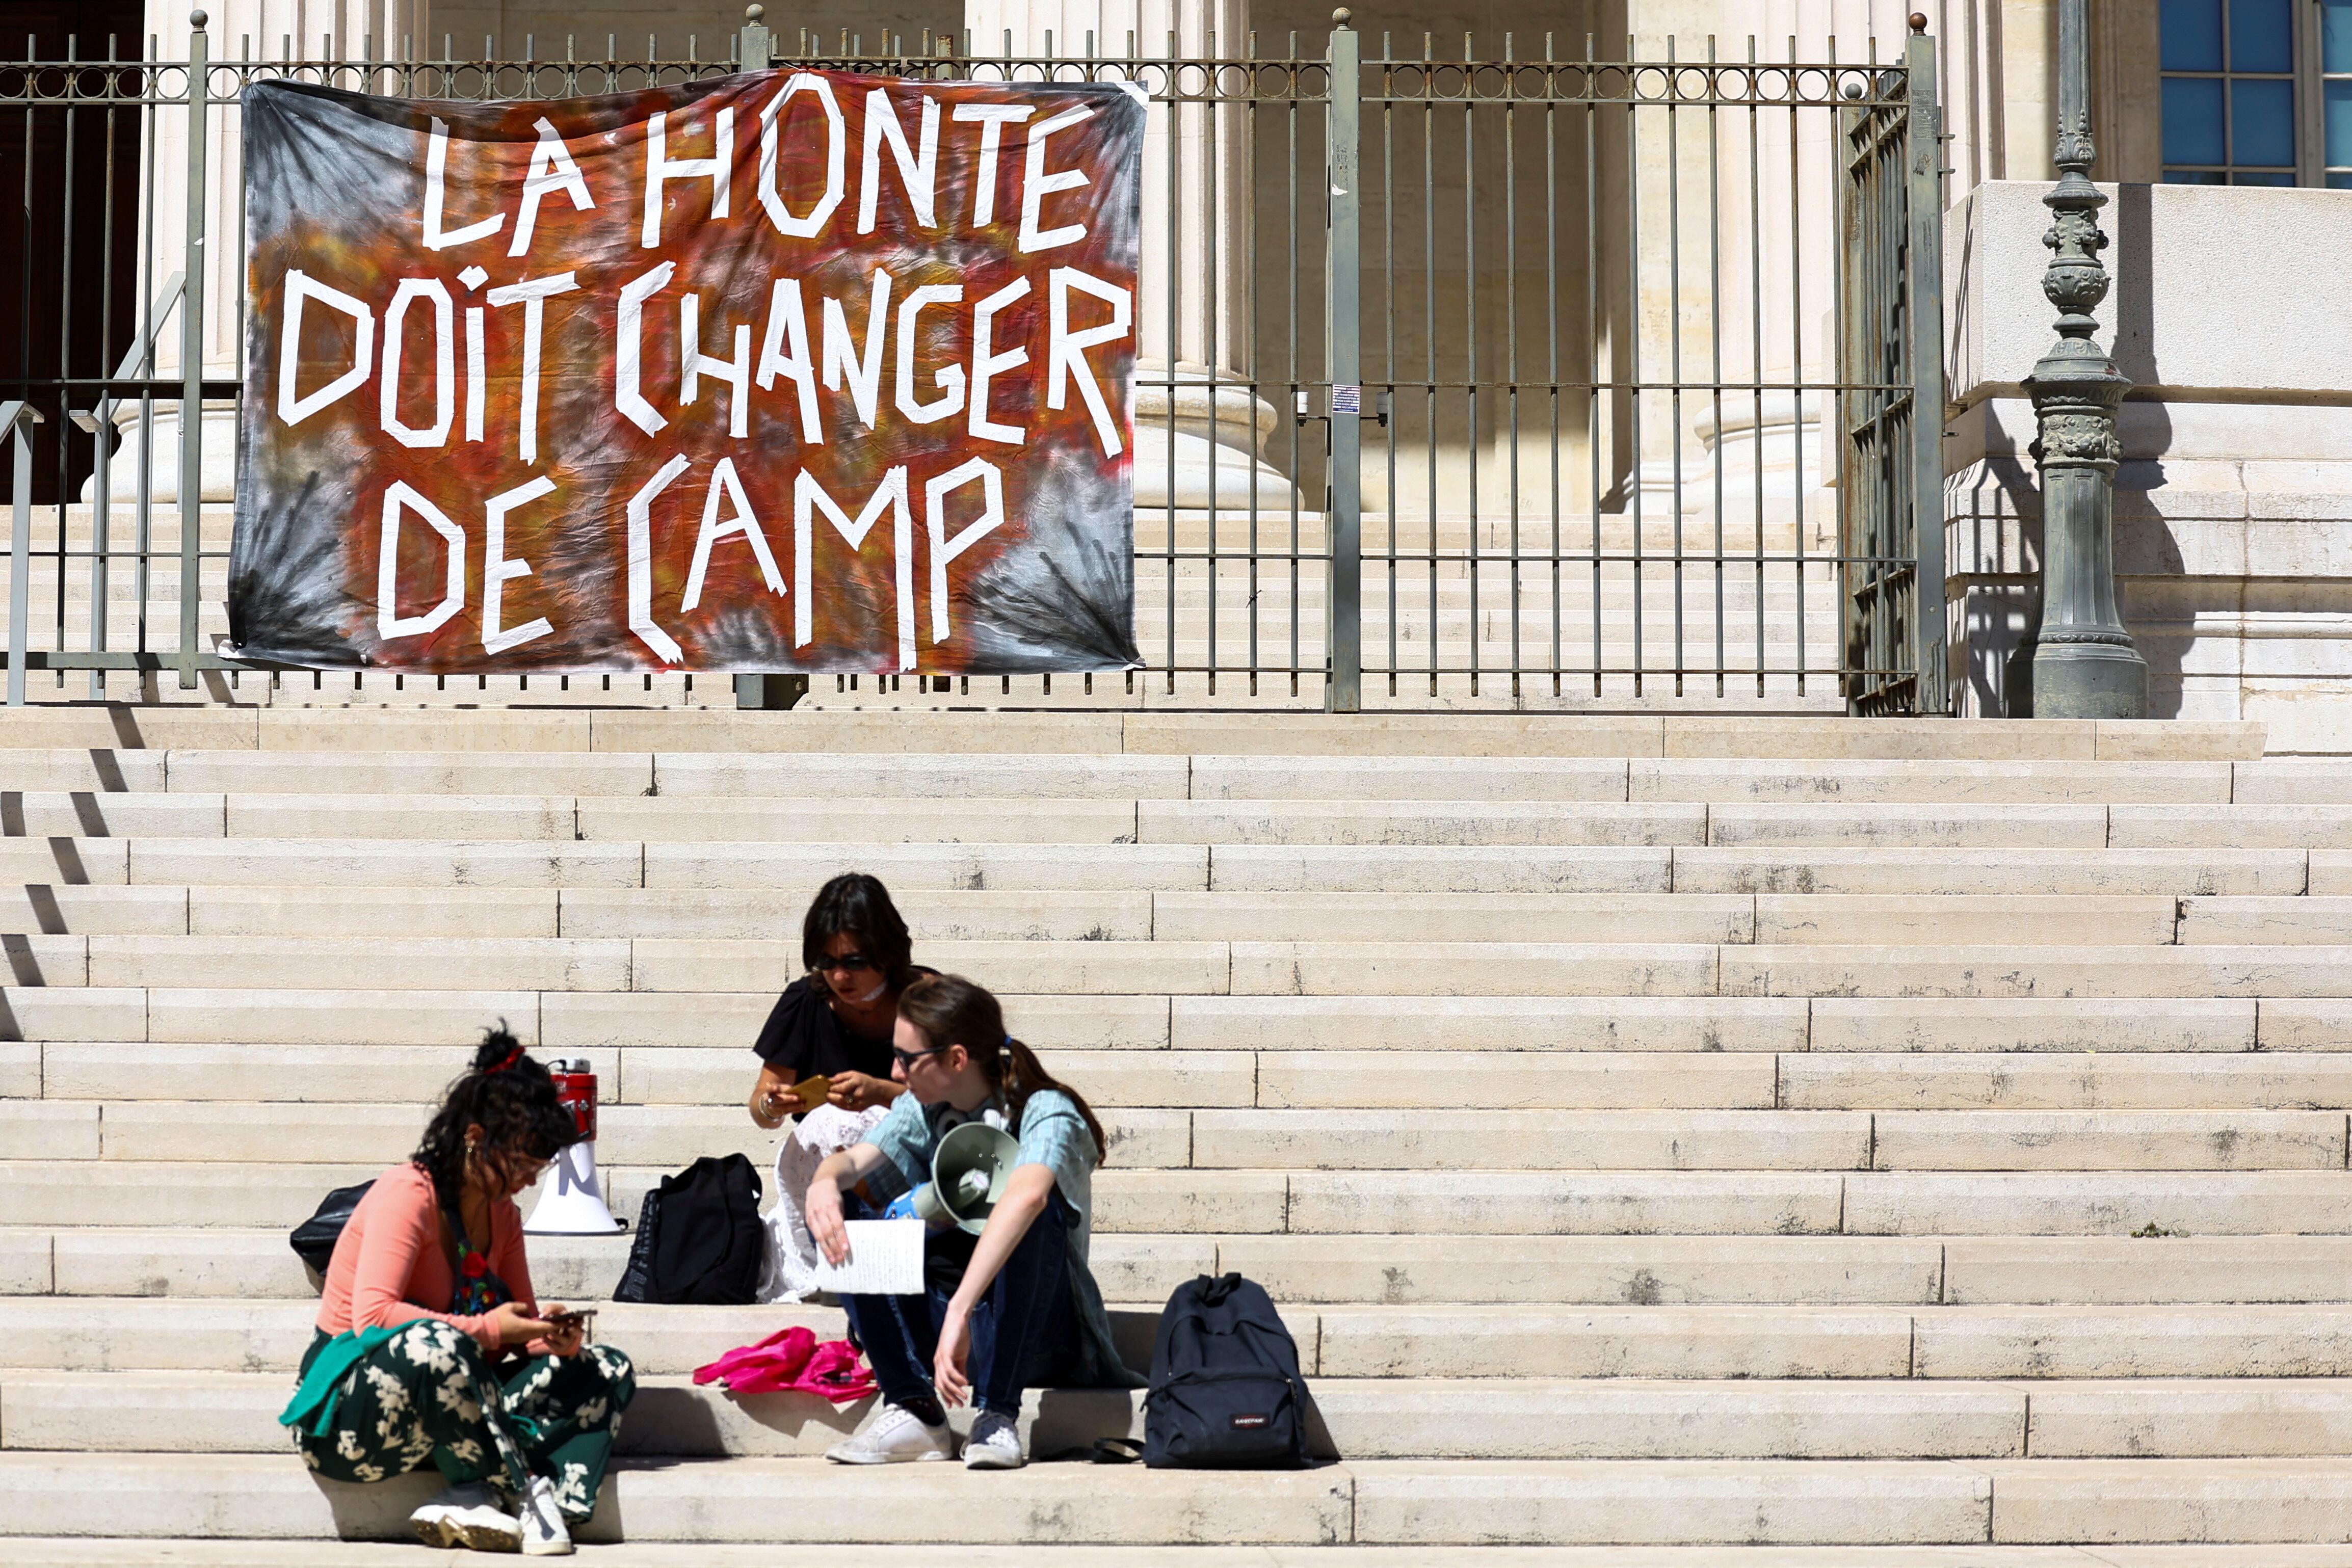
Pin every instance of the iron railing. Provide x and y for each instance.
(1490, 380)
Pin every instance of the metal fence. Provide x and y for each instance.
(1488, 378)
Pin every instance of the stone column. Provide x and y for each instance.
(1195, 251)
(237, 29)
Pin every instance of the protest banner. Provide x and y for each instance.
(787, 371)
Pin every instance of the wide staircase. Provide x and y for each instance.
(1666, 1130)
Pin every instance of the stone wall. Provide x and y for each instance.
(2233, 504)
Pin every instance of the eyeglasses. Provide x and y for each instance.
(907, 1059)
(846, 962)
(511, 1164)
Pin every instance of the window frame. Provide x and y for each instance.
(2312, 167)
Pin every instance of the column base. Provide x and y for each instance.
(1767, 463)
(217, 472)
(2088, 680)
(1197, 446)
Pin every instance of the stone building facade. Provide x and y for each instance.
(2236, 487)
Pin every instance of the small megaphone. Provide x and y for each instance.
(572, 1204)
(969, 1174)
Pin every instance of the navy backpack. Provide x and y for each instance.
(1225, 1390)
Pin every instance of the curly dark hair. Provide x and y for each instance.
(512, 1100)
(860, 905)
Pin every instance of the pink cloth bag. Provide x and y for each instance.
(792, 1361)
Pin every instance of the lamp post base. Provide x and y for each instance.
(2089, 680)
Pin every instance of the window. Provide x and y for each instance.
(2229, 92)
(2257, 92)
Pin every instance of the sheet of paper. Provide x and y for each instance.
(886, 1258)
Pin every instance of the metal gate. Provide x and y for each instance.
(1890, 414)
(1487, 378)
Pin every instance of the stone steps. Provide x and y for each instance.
(1118, 869)
(1364, 1418)
(2275, 781)
(1655, 1129)
(563, 1022)
(140, 909)
(164, 818)
(1333, 1076)
(877, 817)
(1771, 1341)
(572, 1021)
(91, 1260)
(1372, 1502)
(165, 967)
(1735, 1202)
(1279, 1140)
(928, 731)
(115, 1552)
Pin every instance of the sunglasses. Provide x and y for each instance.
(848, 963)
(907, 1059)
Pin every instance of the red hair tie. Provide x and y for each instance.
(512, 1057)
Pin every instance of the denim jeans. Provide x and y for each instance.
(1022, 1333)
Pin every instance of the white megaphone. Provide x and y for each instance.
(571, 1203)
(969, 1175)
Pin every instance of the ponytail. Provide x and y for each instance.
(1023, 1075)
(951, 1010)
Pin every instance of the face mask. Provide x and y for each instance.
(871, 995)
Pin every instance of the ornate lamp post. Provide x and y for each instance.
(2083, 664)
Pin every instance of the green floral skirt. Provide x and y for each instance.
(430, 1393)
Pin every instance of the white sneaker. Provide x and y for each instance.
(468, 1514)
(543, 1530)
(995, 1444)
(895, 1437)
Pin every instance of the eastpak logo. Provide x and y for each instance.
(1248, 1423)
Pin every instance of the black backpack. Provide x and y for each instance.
(1225, 1390)
(314, 1240)
(698, 1238)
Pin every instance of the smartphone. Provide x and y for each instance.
(583, 1319)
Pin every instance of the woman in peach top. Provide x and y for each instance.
(431, 1345)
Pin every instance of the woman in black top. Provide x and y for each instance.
(836, 1023)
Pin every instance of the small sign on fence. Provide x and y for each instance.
(789, 370)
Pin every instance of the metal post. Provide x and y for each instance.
(756, 52)
(2083, 664)
(17, 418)
(192, 359)
(758, 46)
(1925, 153)
(1343, 326)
